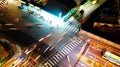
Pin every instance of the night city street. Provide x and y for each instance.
(57, 33)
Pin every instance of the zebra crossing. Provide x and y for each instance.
(74, 42)
(3, 4)
(72, 28)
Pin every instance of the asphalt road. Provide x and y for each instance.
(29, 23)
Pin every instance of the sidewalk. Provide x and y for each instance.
(88, 8)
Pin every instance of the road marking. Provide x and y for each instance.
(68, 58)
(76, 30)
(72, 28)
(45, 66)
(75, 43)
(51, 62)
(65, 50)
(55, 59)
(61, 54)
(78, 39)
(68, 47)
(71, 46)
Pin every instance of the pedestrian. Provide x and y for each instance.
(79, 23)
(28, 11)
(79, 27)
(81, 13)
(70, 23)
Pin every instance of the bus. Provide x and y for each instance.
(111, 57)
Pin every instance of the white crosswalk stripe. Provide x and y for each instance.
(71, 28)
(74, 29)
(78, 38)
(65, 51)
(60, 55)
(56, 59)
(51, 62)
(48, 64)
(77, 30)
(72, 45)
(45, 65)
(69, 48)
(74, 42)
(77, 41)
(3, 4)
